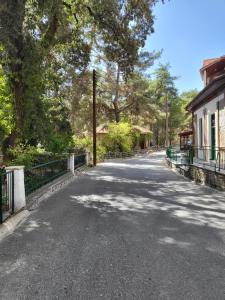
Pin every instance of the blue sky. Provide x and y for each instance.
(188, 31)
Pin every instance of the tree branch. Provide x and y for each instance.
(126, 106)
(70, 8)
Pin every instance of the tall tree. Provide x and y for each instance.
(165, 93)
(36, 33)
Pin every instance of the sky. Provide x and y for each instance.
(188, 31)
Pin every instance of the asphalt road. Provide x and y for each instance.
(128, 229)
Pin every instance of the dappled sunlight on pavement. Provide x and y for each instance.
(159, 190)
(127, 229)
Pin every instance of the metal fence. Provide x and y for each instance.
(172, 154)
(40, 175)
(113, 155)
(79, 160)
(213, 157)
(6, 194)
(207, 157)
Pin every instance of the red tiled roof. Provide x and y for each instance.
(210, 62)
(185, 132)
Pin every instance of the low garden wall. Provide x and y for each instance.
(17, 183)
(199, 175)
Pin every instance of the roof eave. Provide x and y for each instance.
(192, 104)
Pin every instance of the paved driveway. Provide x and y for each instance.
(128, 229)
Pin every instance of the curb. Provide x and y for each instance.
(34, 199)
(12, 223)
(18, 218)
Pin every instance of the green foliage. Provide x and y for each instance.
(46, 42)
(81, 143)
(119, 137)
(24, 156)
(46, 52)
(185, 99)
(6, 113)
(101, 151)
(30, 156)
(59, 143)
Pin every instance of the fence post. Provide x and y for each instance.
(87, 157)
(19, 187)
(70, 163)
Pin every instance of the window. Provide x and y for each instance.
(200, 133)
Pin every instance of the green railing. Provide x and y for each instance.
(79, 160)
(172, 154)
(40, 175)
(213, 157)
(6, 194)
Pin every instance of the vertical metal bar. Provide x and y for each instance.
(94, 119)
(1, 218)
(7, 191)
(12, 181)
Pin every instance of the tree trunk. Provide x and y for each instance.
(116, 111)
(13, 41)
(167, 123)
(116, 99)
(8, 142)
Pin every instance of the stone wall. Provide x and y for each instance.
(207, 177)
(200, 175)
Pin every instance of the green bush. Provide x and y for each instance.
(101, 151)
(59, 143)
(81, 143)
(119, 138)
(30, 156)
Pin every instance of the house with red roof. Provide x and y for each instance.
(208, 115)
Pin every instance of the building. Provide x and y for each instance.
(185, 139)
(144, 140)
(208, 113)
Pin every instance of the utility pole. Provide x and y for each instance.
(167, 122)
(94, 119)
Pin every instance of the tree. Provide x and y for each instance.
(6, 114)
(119, 93)
(186, 98)
(164, 93)
(40, 37)
(119, 137)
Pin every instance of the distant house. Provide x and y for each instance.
(101, 131)
(185, 139)
(208, 114)
(143, 143)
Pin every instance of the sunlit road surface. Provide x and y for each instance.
(127, 229)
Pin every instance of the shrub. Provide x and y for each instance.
(81, 143)
(30, 156)
(59, 143)
(119, 137)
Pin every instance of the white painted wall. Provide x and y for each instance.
(211, 109)
(19, 188)
(70, 163)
